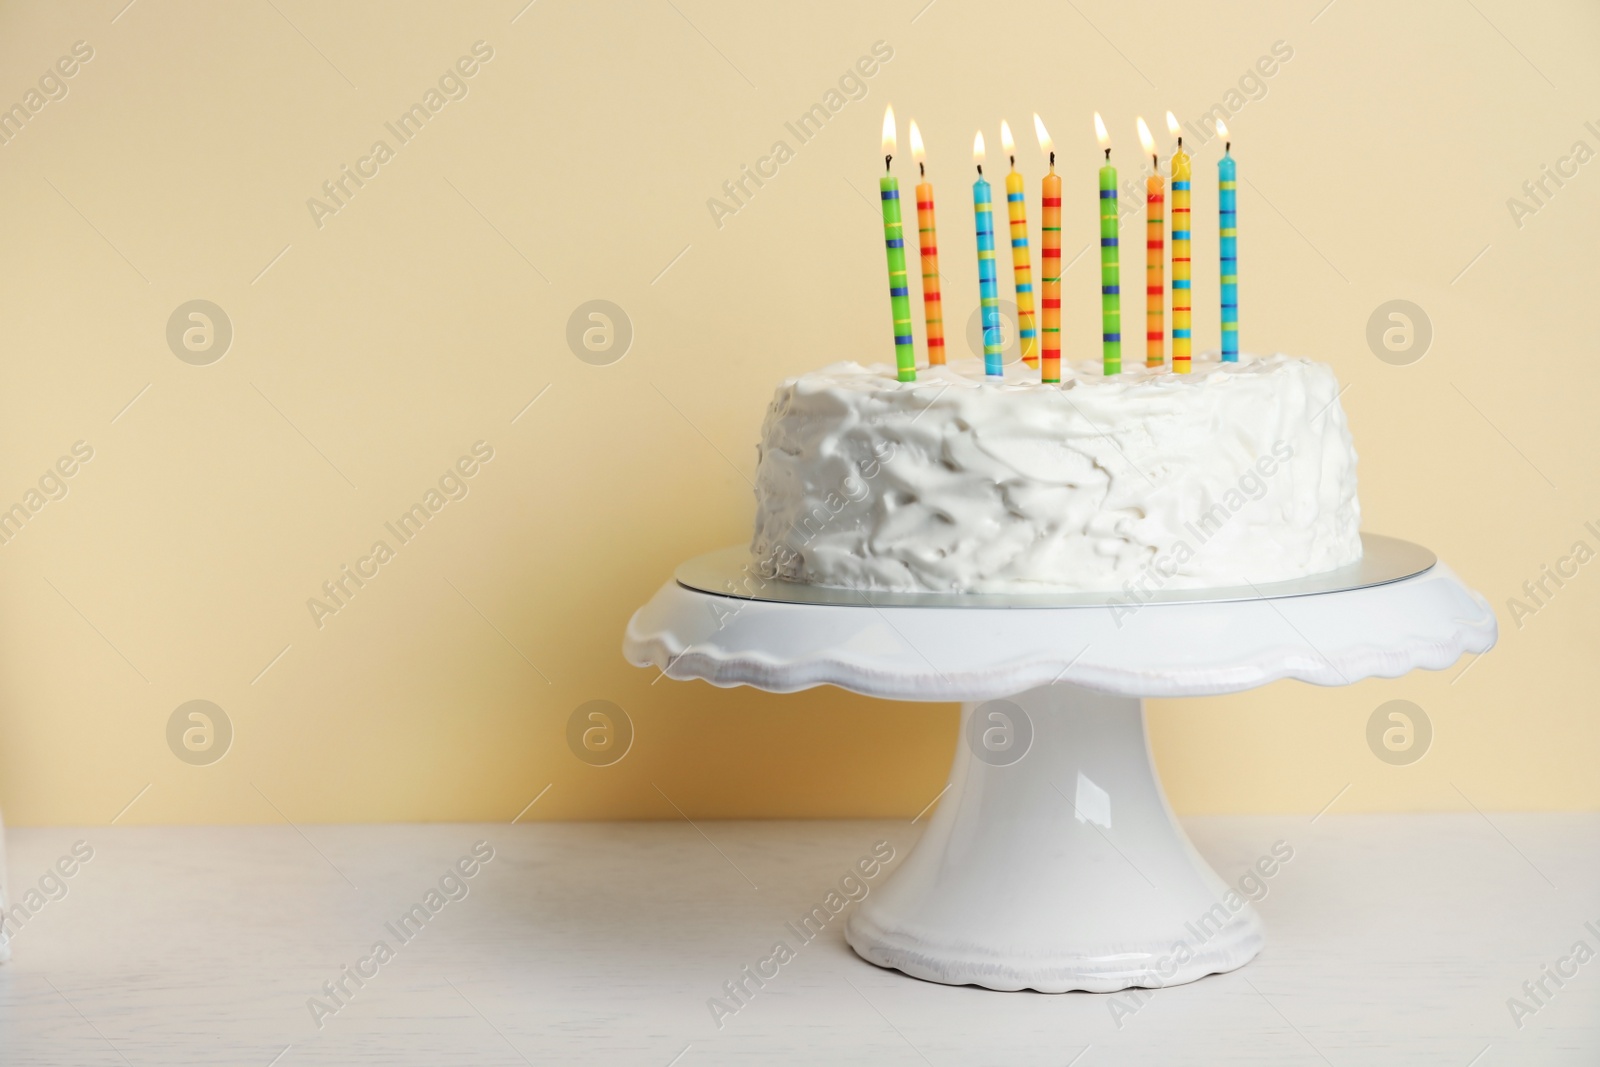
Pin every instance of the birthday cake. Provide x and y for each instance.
(1240, 472)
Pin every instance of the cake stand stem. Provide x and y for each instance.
(1055, 863)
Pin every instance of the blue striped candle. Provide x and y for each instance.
(1227, 193)
(988, 282)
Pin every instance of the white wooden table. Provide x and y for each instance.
(1391, 940)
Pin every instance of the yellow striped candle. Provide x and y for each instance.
(1021, 268)
(928, 241)
(1181, 295)
(1155, 229)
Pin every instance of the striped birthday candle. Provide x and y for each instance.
(988, 282)
(1049, 263)
(1021, 267)
(1228, 247)
(1181, 293)
(905, 354)
(1110, 266)
(928, 240)
(1155, 274)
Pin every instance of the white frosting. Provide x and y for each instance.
(1239, 472)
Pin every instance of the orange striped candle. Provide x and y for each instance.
(932, 303)
(1049, 263)
(1155, 274)
(1181, 295)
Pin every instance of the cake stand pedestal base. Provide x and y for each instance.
(1054, 862)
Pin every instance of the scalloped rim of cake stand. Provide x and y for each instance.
(1428, 620)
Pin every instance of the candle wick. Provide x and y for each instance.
(1155, 161)
(1227, 146)
(1108, 154)
(980, 170)
(1052, 161)
(1180, 144)
(1013, 162)
(886, 160)
(922, 169)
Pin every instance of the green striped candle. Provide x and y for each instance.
(1110, 266)
(905, 353)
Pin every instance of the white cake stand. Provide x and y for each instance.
(1053, 861)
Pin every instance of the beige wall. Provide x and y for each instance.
(373, 350)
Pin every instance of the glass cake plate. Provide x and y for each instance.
(728, 572)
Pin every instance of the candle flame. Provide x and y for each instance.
(888, 131)
(917, 151)
(1046, 145)
(977, 149)
(1172, 125)
(1007, 142)
(1222, 128)
(1145, 139)
(1100, 131)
